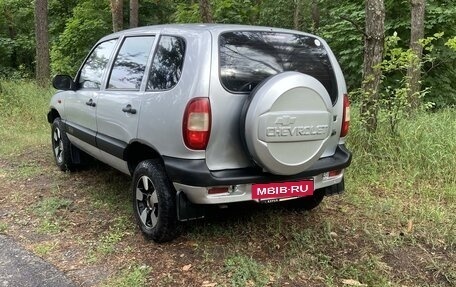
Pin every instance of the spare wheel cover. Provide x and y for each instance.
(288, 122)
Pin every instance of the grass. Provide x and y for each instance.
(394, 226)
(47, 210)
(108, 241)
(245, 271)
(3, 227)
(43, 249)
(133, 276)
(23, 121)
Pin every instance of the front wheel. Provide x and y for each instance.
(154, 202)
(61, 146)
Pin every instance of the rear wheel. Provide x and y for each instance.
(308, 202)
(154, 201)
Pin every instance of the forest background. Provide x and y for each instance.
(344, 24)
(394, 226)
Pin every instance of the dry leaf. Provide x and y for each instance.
(410, 226)
(186, 267)
(207, 284)
(352, 282)
(332, 234)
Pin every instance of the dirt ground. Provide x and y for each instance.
(87, 230)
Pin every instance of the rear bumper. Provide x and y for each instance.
(196, 172)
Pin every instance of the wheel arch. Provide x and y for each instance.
(52, 115)
(137, 151)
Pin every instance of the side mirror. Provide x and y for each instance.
(63, 82)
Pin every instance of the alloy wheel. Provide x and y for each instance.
(147, 202)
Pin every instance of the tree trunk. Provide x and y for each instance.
(206, 12)
(42, 70)
(315, 15)
(417, 33)
(134, 13)
(117, 15)
(297, 15)
(373, 54)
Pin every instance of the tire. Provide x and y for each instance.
(61, 146)
(308, 202)
(154, 202)
(286, 122)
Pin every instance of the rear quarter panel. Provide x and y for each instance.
(160, 123)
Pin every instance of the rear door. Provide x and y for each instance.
(81, 106)
(119, 105)
(243, 60)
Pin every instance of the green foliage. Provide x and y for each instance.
(423, 150)
(451, 43)
(349, 47)
(245, 271)
(90, 21)
(22, 99)
(43, 249)
(187, 13)
(224, 11)
(3, 227)
(76, 25)
(133, 276)
(440, 74)
(23, 108)
(278, 13)
(153, 12)
(235, 11)
(395, 98)
(17, 39)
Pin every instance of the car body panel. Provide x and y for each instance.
(105, 131)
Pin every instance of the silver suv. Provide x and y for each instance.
(207, 115)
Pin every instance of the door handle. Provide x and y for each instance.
(129, 109)
(91, 103)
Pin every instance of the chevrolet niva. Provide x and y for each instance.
(206, 115)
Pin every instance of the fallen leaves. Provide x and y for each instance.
(186, 267)
(352, 282)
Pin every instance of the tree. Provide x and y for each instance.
(315, 15)
(42, 42)
(297, 14)
(206, 12)
(117, 15)
(91, 18)
(416, 34)
(134, 11)
(374, 39)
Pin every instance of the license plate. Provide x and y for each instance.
(280, 190)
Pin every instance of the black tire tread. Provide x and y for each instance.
(166, 228)
(67, 164)
(309, 202)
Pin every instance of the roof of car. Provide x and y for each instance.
(196, 28)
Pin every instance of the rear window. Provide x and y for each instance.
(247, 58)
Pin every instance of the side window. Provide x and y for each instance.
(95, 66)
(167, 64)
(130, 63)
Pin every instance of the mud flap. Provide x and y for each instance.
(186, 210)
(335, 189)
(75, 155)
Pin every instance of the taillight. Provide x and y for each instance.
(196, 126)
(345, 117)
